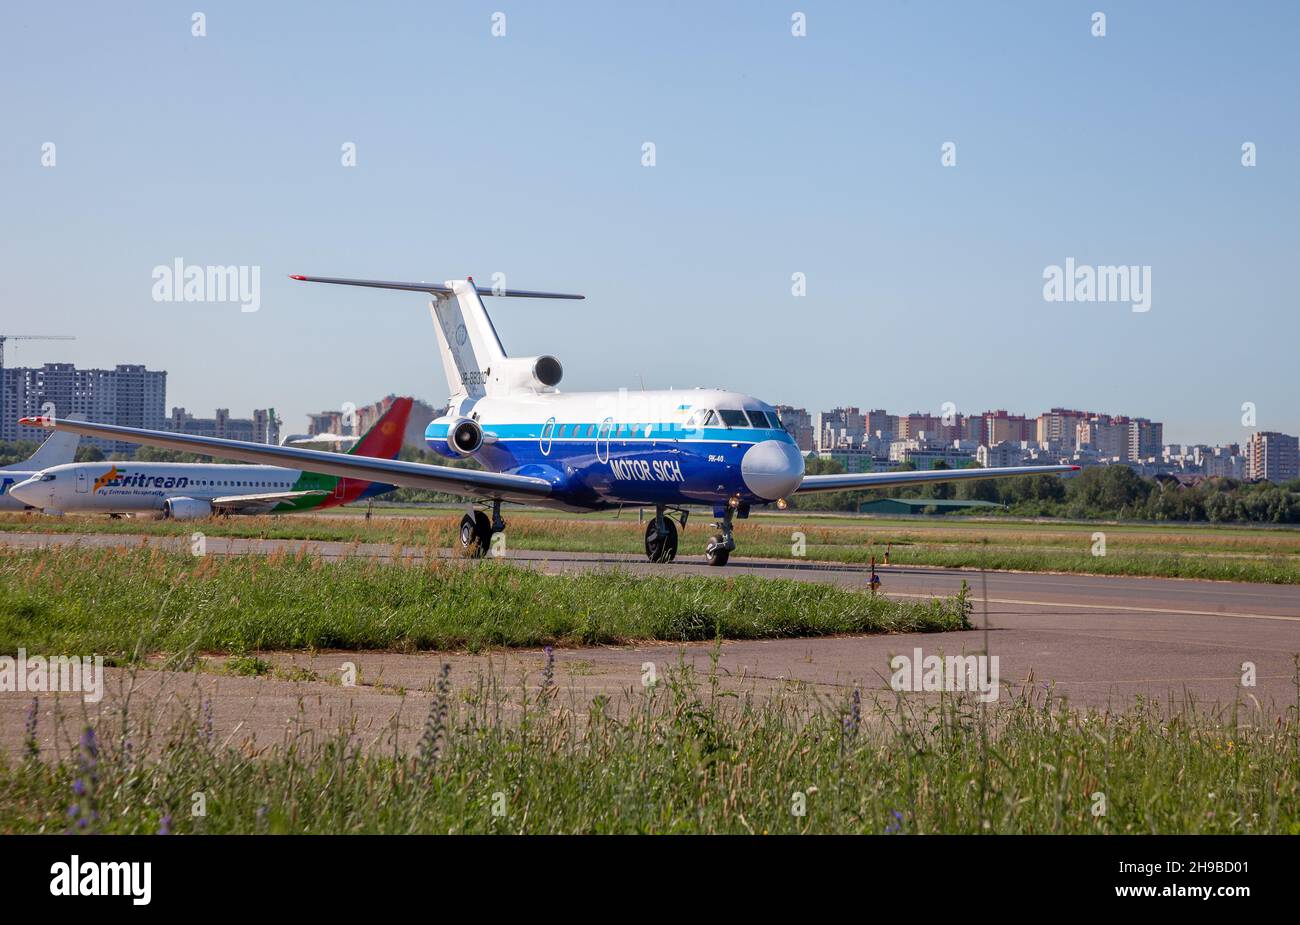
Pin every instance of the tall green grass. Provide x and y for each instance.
(1175, 552)
(681, 757)
(124, 602)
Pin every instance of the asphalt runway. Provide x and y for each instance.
(1099, 641)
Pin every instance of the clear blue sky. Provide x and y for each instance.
(775, 154)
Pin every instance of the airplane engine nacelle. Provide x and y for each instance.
(537, 373)
(186, 508)
(464, 437)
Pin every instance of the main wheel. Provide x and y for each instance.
(475, 534)
(716, 551)
(661, 547)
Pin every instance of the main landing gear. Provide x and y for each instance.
(661, 536)
(477, 530)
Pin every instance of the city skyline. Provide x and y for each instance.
(133, 395)
(815, 163)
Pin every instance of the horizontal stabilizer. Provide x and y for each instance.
(437, 288)
(58, 449)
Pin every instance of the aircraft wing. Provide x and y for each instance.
(851, 481)
(259, 504)
(469, 483)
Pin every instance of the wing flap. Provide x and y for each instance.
(265, 501)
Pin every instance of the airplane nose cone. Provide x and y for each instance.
(27, 492)
(772, 469)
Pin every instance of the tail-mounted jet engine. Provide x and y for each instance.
(464, 437)
(540, 374)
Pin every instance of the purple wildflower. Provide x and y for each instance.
(85, 810)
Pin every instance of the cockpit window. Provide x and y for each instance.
(757, 419)
(774, 420)
(48, 478)
(734, 418)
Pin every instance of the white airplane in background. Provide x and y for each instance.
(580, 451)
(189, 491)
(59, 447)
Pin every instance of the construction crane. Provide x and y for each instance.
(5, 337)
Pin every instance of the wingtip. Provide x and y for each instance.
(298, 276)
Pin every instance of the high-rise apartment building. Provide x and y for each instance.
(1273, 456)
(128, 395)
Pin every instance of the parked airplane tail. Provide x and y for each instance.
(60, 447)
(472, 357)
(384, 438)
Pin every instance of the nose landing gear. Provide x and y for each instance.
(722, 544)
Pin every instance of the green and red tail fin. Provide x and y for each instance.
(384, 439)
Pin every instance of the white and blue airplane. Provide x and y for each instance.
(573, 451)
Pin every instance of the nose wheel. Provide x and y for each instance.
(721, 545)
(661, 538)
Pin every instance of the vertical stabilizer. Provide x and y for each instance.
(466, 338)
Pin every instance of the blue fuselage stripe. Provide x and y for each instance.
(670, 465)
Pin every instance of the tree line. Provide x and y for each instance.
(1096, 492)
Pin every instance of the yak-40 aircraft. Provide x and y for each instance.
(573, 451)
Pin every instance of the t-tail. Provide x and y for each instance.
(472, 357)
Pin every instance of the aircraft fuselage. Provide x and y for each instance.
(604, 449)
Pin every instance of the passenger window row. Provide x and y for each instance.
(763, 420)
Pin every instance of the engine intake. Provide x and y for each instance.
(464, 437)
(538, 374)
(548, 371)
